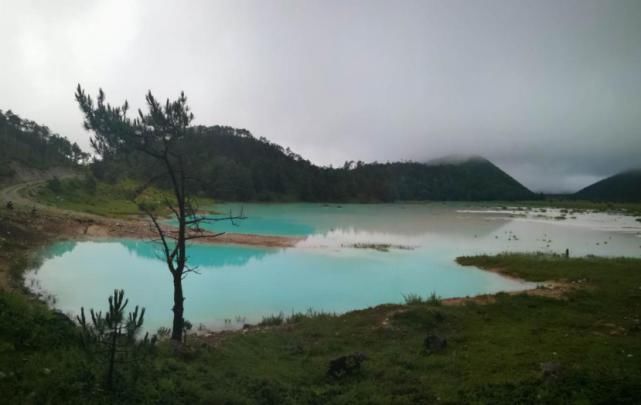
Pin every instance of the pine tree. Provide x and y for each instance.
(114, 335)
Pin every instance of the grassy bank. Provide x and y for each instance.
(494, 353)
(105, 199)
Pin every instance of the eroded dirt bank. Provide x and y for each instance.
(84, 228)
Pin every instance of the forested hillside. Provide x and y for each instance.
(33, 145)
(231, 164)
(622, 187)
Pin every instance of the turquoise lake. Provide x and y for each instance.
(325, 270)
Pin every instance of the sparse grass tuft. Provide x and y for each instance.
(310, 314)
(412, 299)
(434, 299)
(273, 320)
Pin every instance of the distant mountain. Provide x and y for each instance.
(622, 187)
(455, 160)
(28, 144)
(231, 164)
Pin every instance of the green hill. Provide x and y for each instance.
(231, 164)
(33, 146)
(622, 187)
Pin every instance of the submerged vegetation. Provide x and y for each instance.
(381, 247)
(573, 206)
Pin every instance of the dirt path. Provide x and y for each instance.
(81, 225)
(17, 194)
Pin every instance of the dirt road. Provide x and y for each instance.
(81, 225)
(18, 194)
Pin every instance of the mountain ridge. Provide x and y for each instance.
(624, 186)
(234, 165)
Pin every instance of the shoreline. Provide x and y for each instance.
(74, 228)
(52, 227)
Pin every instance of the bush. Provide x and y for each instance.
(90, 184)
(412, 299)
(434, 299)
(54, 185)
(273, 320)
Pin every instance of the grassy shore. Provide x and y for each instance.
(104, 199)
(591, 337)
(85, 194)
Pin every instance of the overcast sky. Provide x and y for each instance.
(548, 90)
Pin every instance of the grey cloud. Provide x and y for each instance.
(549, 90)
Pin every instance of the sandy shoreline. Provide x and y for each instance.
(139, 228)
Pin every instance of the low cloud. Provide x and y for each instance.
(548, 90)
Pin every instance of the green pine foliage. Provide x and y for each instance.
(34, 145)
(231, 164)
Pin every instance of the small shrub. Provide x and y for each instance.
(412, 299)
(113, 335)
(434, 299)
(90, 184)
(54, 185)
(273, 320)
(296, 317)
(163, 332)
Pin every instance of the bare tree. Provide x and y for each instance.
(158, 134)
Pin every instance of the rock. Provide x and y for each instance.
(551, 368)
(344, 365)
(434, 344)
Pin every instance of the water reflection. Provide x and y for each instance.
(268, 281)
(324, 271)
(201, 255)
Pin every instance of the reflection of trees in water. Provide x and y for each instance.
(400, 219)
(202, 255)
(56, 250)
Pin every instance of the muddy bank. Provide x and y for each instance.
(23, 231)
(77, 228)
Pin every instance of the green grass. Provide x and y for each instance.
(493, 355)
(102, 198)
(413, 299)
(494, 351)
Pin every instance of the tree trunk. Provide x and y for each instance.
(179, 321)
(112, 357)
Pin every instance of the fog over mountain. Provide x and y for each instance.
(548, 90)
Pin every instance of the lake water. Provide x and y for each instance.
(327, 270)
